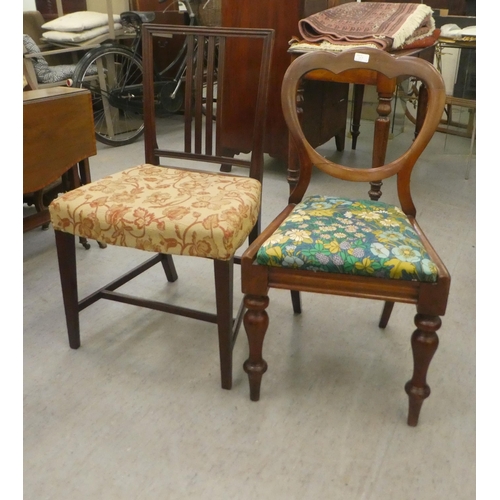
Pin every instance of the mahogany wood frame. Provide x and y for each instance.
(201, 145)
(430, 299)
(386, 88)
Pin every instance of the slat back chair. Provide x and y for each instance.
(182, 209)
(351, 247)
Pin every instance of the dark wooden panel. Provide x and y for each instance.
(283, 17)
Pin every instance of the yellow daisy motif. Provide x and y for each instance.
(369, 215)
(389, 223)
(299, 235)
(296, 217)
(276, 239)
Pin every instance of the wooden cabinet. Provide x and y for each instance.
(325, 104)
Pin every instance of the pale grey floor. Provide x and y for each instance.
(138, 413)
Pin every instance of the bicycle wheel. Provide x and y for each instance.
(172, 96)
(113, 74)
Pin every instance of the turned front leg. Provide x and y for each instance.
(424, 343)
(256, 322)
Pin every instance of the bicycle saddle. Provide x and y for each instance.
(135, 18)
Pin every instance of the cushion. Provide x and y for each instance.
(77, 37)
(358, 237)
(44, 72)
(164, 210)
(79, 21)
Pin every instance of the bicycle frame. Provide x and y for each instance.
(117, 97)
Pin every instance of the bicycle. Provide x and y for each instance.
(113, 74)
(409, 91)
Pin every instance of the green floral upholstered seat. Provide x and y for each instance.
(362, 237)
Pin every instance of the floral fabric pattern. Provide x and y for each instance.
(362, 237)
(164, 210)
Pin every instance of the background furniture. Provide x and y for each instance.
(58, 133)
(52, 9)
(32, 26)
(64, 53)
(455, 7)
(351, 247)
(165, 13)
(325, 114)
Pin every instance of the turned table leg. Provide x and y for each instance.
(385, 89)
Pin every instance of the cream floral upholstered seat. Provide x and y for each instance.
(163, 210)
(192, 196)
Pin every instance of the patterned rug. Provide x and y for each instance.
(388, 26)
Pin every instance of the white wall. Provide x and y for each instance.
(29, 5)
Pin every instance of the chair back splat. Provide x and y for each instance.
(204, 101)
(180, 202)
(349, 246)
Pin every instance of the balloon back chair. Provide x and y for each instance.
(351, 247)
(191, 208)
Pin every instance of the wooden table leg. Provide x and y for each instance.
(357, 106)
(84, 170)
(385, 89)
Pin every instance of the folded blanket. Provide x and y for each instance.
(78, 36)
(388, 26)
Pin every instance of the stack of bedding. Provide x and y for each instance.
(79, 27)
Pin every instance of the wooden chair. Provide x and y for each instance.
(173, 209)
(356, 248)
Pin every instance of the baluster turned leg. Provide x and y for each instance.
(256, 322)
(424, 343)
(385, 89)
